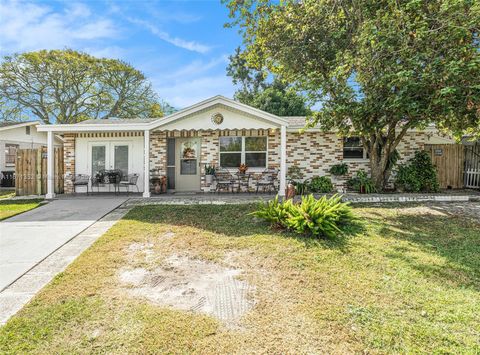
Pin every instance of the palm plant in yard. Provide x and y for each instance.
(322, 217)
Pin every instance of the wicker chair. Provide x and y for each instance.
(224, 180)
(267, 180)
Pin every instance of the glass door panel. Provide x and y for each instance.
(188, 159)
(120, 158)
(98, 158)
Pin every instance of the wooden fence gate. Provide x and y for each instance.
(449, 161)
(31, 171)
(472, 165)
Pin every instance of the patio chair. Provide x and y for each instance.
(80, 180)
(130, 180)
(224, 180)
(267, 180)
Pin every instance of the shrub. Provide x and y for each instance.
(321, 184)
(361, 183)
(274, 212)
(339, 169)
(322, 217)
(301, 187)
(418, 175)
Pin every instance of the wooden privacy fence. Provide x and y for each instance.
(449, 160)
(31, 171)
(472, 166)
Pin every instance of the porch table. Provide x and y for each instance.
(107, 177)
(243, 180)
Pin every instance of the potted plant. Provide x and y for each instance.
(242, 169)
(339, 169)
(209, 172)
(361, 183)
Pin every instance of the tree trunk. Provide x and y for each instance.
(377, 170)
(380, 172)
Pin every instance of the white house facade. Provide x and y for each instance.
(20, 135)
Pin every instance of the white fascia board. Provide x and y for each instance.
(65, 128)
(22, 124)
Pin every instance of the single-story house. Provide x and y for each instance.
(19, 135)
(219, 132)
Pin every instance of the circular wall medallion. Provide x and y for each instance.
(217, 118)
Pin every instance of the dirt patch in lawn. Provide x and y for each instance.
(191, 285)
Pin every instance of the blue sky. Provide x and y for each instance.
(181, 46)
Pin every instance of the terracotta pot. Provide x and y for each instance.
(290, 191)
(163, 183)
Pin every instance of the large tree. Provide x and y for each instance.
(274, 95)
(65, 86)
(378, 68)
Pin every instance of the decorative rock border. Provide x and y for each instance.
(234, 199)
(411, 198)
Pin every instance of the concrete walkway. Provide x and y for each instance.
(30, 237)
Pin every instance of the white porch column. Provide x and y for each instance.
(50, 166)
(283, 160)
(146, 164)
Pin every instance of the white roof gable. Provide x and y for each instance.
(196, 117)
(236, 116)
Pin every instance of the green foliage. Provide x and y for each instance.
(339, 169)
(378, 68)
(418, 175)
(361, 182)
(322, 217)
(274, 212)
(65, 86)
(209, 170)
(301, 187)
(275, 96)
(322, 184)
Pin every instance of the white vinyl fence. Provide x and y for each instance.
(472, 166)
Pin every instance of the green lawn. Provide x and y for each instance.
(11, 208)
(404, 280)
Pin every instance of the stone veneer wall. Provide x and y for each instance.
(209, 148)
(313, 152)
(68, 161)
(316, 152)
(158, 151)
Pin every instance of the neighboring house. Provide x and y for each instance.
(217, 131)
(19, 135)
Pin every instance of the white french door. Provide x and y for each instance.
(108, 156)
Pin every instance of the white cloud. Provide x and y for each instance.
(197, 67)
(187, 92)
(176, 41)
(27, 26)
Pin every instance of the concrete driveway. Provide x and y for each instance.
(30, 237)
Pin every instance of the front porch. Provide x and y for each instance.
(216, 133)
